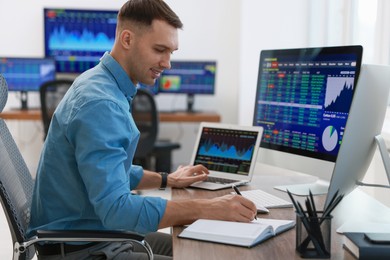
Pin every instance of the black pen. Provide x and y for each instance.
(239, 193)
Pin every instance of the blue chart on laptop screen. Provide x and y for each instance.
(226, 150)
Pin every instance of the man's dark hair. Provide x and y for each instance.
(145, 11)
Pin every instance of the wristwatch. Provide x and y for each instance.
(164, 180)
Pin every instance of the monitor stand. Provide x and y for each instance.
(320, 187)
(190, 103)
(23, 99)
(385, 159)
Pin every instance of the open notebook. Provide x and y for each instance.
(236, 233)
(228, 151)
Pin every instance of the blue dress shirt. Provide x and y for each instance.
(85, 173)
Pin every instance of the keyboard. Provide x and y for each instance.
(265, 199)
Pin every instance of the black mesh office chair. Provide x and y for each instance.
(151, 153)
(16, 188)
(51, 93)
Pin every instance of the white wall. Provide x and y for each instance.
(267, 25)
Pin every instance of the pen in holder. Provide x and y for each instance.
(313, 228)
(313, 235)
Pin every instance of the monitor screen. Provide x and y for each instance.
(303, 99)
(27, 74)
(188, 77)
(77, 39)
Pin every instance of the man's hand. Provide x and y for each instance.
(186, 175)
(230, 207)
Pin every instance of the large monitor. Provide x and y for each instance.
(190, 78)
(27, 74)
(77, 39)
(303, 101)
(364, 124)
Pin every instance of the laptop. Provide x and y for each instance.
(228, 151)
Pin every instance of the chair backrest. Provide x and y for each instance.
(16, 182)
(145, 114)
(51, 93)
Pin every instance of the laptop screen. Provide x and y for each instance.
(226, 150)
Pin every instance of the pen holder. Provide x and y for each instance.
(313, 235)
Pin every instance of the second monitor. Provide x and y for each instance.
(26, 74)
(189, 78)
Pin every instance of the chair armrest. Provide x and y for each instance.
(89, 235)
(85, 236)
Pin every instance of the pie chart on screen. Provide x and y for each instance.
(330, 138)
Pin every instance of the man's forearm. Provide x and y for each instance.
(150, 180)
(181, 212)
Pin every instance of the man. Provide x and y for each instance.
(85, 174)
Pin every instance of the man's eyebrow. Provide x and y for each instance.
(165, 47)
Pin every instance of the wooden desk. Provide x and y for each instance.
(283, 245)
(35, 114)
(189, 117)
(31, 114)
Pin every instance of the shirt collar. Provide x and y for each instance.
(121, 77)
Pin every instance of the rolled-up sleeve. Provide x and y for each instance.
(136, 174)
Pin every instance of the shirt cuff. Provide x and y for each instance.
(136, 174)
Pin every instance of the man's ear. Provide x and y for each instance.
(126, 38)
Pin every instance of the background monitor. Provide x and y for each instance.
(27, 74)
(303, 100)
(365, 121)
(190, 78)
(77, 39)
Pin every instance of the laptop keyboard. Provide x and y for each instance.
(219, 180)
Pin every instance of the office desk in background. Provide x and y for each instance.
(356, 206)
(174, 117)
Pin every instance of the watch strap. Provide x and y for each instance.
(164, 180)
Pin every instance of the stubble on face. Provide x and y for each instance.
(150, 51)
